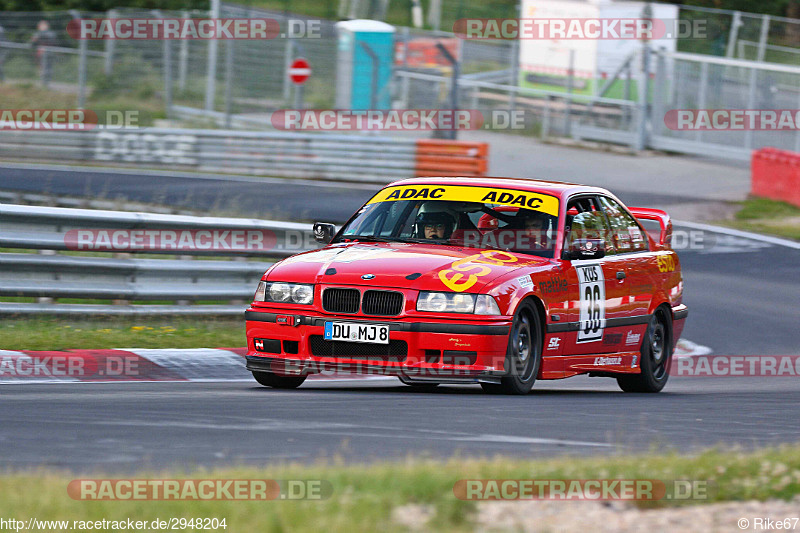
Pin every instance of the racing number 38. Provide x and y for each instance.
(592, 303)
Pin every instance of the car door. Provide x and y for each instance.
(600, 297)
(630, 241)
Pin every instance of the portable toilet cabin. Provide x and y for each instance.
(366, 53)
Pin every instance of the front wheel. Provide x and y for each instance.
(270, 379)
(523, 355)
(656, 353)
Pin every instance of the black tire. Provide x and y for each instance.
(270, 379)
(656, 356)
(523, 355)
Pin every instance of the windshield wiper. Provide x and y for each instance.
(364, 238)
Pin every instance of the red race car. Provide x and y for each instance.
(496, 281)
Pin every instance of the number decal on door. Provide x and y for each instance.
(593, 303)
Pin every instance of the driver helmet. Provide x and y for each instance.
(431, 214)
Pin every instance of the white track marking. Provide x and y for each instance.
(738, 233)
(687, 348)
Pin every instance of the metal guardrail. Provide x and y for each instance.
(364, 158)
(122, 278)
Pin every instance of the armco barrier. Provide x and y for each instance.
(364, 158)
(776, 175)
(437, 157)
(212, 286)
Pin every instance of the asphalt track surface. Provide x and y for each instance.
(131, 426)
(743, 300)
(275, 198)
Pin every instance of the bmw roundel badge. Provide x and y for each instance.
(368, 276)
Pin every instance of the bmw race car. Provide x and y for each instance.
(496, 281)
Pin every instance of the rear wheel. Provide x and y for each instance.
(523, 355)
(270, 379)
(656, 356)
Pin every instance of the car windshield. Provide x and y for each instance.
(466, 216)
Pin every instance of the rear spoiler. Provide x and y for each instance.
(645, 213)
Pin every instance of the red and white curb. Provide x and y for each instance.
(143, 364)
(135, 364)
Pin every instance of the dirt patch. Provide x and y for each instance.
(623, 517)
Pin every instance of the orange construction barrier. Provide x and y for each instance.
(439, 157)
(775, 174)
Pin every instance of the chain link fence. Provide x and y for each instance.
(239, 83)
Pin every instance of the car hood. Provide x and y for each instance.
(398, 265)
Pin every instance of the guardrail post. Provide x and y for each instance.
(701, 98)
(452, 134)
(168, 77)
(229, 55)
(110, 46)
(183, 59)
(546, 118)
(514, 81)
(211, 74)
(657, 109)
(568, 102)
(734, 34)
(288, 55)
(641, 141)
(82, 57)
(46, 299)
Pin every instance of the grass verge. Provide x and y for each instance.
(763, 215)
(371, 497)
(120, 332)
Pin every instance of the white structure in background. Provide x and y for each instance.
(543, 60)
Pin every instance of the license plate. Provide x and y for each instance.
(348, 331)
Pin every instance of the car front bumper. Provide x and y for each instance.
(417, 349)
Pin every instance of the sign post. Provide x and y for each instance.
(299, 72)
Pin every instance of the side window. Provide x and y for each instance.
(586, 221)
(626, 234)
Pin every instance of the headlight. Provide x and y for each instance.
(453, 302)
(260, 291)
(486, 305)
(285, 293)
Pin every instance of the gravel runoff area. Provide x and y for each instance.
(616, 517)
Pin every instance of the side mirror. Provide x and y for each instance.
(586, 249)
(324, 232)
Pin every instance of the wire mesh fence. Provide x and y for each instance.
(239, 83)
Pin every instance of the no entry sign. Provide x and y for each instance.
(299, 71)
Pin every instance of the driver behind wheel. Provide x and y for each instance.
(535, 225)
(434, 223)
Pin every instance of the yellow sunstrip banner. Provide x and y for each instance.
(465, 193)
